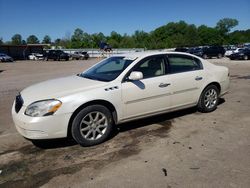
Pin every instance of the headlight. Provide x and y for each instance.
(43, 108)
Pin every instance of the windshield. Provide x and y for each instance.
(108, 70)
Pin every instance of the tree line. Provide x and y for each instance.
(173, 34)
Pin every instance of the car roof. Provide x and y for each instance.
(150, 53)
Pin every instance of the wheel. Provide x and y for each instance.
(209, 99)
(204, 56)
(219, 56)
(92, 125)
(245, 57)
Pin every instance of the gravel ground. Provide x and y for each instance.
(180, 149)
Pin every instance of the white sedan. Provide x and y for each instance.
(228, 53)
(122, 88)
(36, 56)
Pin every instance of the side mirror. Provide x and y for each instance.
(135, 75)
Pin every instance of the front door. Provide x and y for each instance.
(150, 94)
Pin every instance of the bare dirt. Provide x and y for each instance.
(180, 149)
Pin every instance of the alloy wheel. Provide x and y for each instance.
(93, 125)
(211, 98)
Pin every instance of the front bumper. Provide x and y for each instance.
(48, 127)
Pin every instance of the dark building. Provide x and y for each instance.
(21, 52)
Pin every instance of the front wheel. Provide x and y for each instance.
(92, 125)
(209, 99)
(245, 57)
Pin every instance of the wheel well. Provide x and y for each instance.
(215, 84)
(95, 102)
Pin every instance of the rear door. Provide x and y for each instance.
(186, 76)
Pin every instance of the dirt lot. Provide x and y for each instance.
(181, 149)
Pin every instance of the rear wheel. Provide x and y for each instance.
(92, 125)
(209, 99)
(245, 57)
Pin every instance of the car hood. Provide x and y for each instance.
(57, 88)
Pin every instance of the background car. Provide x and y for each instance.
(195, 50)
(105, 47)
(211, 51)
(36, 56)
(56, 55)
(242, 54)
(181, 49)
(234, 50)
(80, 55)
(5, 58)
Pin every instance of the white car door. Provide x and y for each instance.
(150, 94)
(186, 76)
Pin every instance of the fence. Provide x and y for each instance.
(98, 53)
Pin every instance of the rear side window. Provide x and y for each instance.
(183, 63)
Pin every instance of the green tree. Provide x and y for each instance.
(46, 39)
(226, 24)
(1, 41)
(96, 39)
(239, 37)
(209, 36)
(115, 39)
(127, 42)
(32, 39)
(16, 39)
(23, 42)
(77, 38)
(57, 42)
(172, 35)
(141, 39)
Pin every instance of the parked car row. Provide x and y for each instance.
(59, 55)
(217, 51)
(205, 51)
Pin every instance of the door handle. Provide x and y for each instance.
(197, 78)
(164, 85)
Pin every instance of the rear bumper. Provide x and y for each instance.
(224, 87)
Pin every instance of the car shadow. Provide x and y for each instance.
(163, 119)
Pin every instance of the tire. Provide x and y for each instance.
(245, 57)
(209, 99)
(204, 56)
(92, 125)
(219, 56)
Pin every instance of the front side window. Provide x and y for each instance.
(182, 63)
(152, 67)
(108, 70)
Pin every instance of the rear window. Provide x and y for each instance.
(183, 63)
